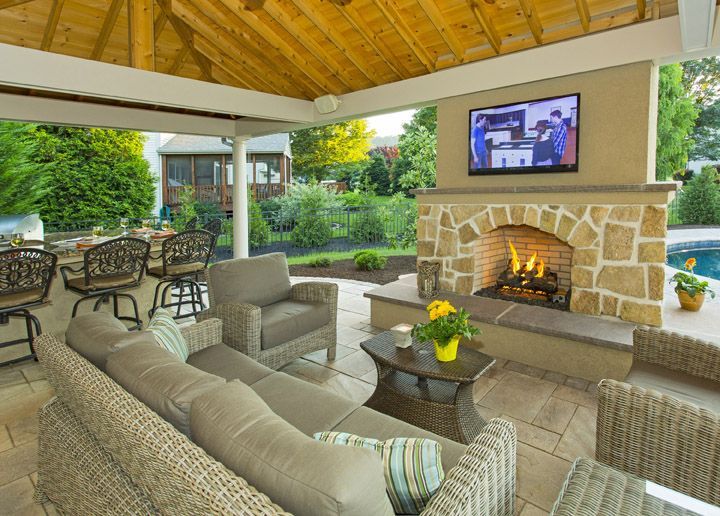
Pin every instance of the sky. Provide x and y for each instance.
(390, 124)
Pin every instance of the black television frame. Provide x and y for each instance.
(542, 169)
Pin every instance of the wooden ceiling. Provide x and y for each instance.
(309, 48)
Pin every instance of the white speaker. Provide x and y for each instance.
(327, 104)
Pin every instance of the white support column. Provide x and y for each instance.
(240, 199)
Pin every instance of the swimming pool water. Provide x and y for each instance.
(708, 261)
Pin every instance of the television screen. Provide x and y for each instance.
(524, 138)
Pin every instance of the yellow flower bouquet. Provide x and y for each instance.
(447, 325)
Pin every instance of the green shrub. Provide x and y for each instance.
(700, 199)
(369, 260)
(311, 231)
(352, 199)
(258, 228)
(369, 226)
(301, 198)
(321, 261)
(407, 237)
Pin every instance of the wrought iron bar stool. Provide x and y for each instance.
(107, 271)
(214, 227)
(25, 279)
(184, 257)
(192, 223)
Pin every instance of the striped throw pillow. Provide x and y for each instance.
(413, 470)
(167, 333)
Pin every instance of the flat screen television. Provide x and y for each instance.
(535, 136)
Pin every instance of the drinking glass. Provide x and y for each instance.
(146, 223)
(124, 223)
(97, 231)
(17, 239)
(165, 225)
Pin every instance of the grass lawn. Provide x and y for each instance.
(347, 255)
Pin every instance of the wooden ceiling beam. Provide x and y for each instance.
(406, 34)
(641, 9)
(431, 9)
(106, 30)
(52, 23)
(160, 22)
(4, 4)
(337, 39)
(532, 19)
(180, 59)
(186, 36)
(584, 14)
(141, 22)
(486, 25)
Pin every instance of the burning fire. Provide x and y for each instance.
(529, 265)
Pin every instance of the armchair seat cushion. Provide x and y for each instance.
(284, 321)
(692, 389)
(228, 363)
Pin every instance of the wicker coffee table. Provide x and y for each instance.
(414, 387)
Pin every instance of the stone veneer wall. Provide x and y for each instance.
(618, 259)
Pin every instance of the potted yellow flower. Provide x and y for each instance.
(445, 328)
(690, 290)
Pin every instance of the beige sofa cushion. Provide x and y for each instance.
(307, 407)
(261, 280)
(699, 391)
(367, 422)
(284, 321)
(303, 476)
(97, 335)
(161, 380)
(229, 363)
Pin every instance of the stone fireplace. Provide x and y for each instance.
(608, 256)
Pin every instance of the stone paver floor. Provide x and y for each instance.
(554, 415)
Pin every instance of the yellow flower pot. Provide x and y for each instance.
(447, 353)
(692, 304)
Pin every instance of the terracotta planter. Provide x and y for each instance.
(447, 353)
(692, 304)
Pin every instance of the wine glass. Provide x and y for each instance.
(97, 231)
(146, 224)
(124, 223)
(165, 225)
(17, 239)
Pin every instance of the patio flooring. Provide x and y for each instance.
(554, 415)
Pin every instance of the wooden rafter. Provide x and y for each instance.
(180, 59)
(186, 36)
(107, 27)
(533, 21)
(486, 25)
(430, 7)
(4, 4)
(406, 34)
(160, 22)
(52, 23)
(641, 8)
(337, 39)
(355, 19)
(141, 40)
(584, 14)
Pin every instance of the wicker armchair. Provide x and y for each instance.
(655, 431)
(253, 297)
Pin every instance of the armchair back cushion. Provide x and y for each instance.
(234, 425)
(288, 320)
(97, 335)
(161, 380)
(260, 280)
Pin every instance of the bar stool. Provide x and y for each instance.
(184, 256)
(25, 279)
(109, 269)
(192, 223)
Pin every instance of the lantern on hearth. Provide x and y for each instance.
(427, 279)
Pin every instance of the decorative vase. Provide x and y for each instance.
(692, 304)
(447, 353)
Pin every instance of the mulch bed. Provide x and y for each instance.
(345, 269)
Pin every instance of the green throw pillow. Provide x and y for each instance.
(167, 333)
(413, 470)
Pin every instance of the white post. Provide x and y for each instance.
(240, 199)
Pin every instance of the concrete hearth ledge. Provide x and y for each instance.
(608, 333)
(664, 186)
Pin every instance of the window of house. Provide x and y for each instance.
(179, 172)
(208, 170)
(229, 170)
(268, 169)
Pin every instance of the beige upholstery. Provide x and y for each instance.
(367, 422)
(176, 270)
(260, 280)
(20, 298)
(161, 380)
(97, 335)
(307, 407)
(228, 363)
(102, 283)
(287, 320)
(300, 474)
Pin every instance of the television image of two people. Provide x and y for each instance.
(527, 137)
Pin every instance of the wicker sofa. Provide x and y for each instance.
(663, 422)
(103, 451)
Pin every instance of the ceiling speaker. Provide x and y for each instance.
(327, 104)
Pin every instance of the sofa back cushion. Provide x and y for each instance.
(303, 476)
(161, 380)
(97, 335)
(260, 281)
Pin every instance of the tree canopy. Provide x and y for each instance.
(701, 80)
(415, 168)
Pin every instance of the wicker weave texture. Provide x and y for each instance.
(483, 481)
(202, 335)
(592, 489)
(176, 476)
(659, 438)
